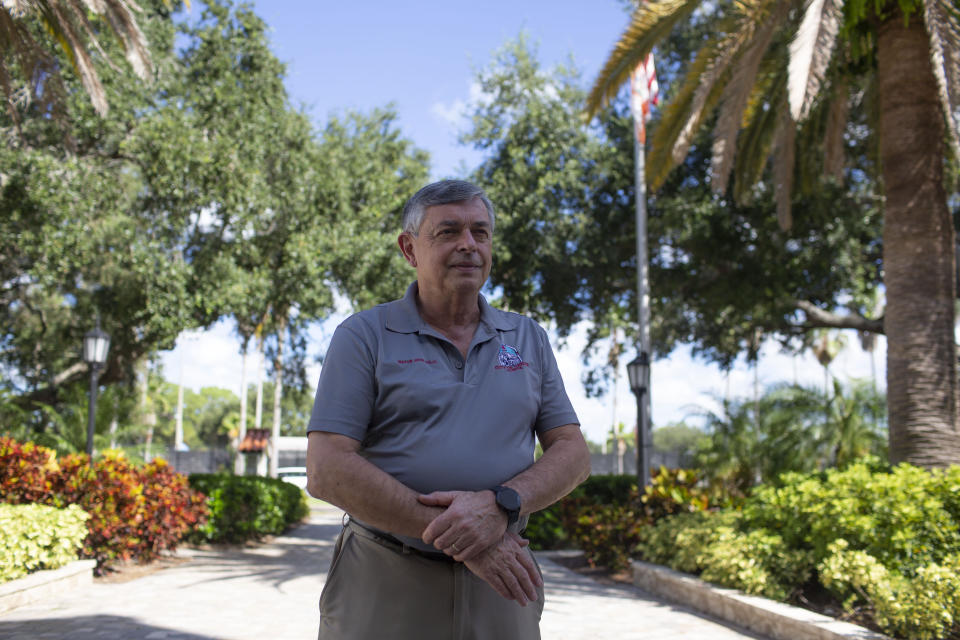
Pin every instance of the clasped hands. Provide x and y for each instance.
(473, 530)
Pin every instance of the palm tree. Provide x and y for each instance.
(855, 424)
(26, 56)
(783, 76)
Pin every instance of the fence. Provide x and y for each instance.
(605, 463)
(200, 461)
(213, 460)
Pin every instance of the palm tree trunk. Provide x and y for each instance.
(919, 257)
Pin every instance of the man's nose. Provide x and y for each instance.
(466, 241)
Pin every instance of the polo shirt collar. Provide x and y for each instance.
(403, 316)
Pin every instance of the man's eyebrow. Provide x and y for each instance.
(459, 223)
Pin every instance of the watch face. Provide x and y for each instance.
(508, 499)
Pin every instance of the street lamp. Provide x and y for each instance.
(96, 343)
(638, 370)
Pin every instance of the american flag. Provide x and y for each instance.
(644, 91)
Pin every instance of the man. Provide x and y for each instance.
(423, 432)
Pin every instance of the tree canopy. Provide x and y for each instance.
(782, 80)
(202, 195)
(565, 245)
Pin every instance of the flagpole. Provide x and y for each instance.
(643, 93)
(644, 440)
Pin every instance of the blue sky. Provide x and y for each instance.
(422, 57)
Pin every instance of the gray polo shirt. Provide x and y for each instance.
(427, 417)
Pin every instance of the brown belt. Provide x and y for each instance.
(388, 541)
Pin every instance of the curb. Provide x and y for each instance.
(44, 584)
(767, 617)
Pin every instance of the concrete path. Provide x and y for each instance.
(270, 593)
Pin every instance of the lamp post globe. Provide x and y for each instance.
(96, 344)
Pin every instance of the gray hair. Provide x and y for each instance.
(443, 192)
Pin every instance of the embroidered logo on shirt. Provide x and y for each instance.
(509, 358)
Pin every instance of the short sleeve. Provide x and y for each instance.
(556, 410)
(347, 388)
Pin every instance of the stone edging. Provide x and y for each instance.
(43, 584)
(770, 618)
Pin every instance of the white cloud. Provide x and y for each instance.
(451, 114)
(456, 114)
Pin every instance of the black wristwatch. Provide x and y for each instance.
(509, 501)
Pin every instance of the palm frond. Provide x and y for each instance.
(120, 16)
(708, 83)
(650, 23)
(8, 91)
(67, 23)
(783, 162)
(810, 53)
(683, 114)
(35, 65)
(79, 13)
(697, 97)
(60, 23)
(759, 25)
(943, 27)
(833, 143)
(756, 138)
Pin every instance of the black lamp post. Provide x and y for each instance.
(96, 343)
(638, 370)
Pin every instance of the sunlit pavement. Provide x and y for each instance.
(270, 592)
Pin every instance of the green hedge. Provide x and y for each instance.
(39, 537)
(884, 543)
(547, 529)
(605, 516)
(247, 507)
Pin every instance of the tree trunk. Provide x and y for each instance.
(277, 397)
(147, 412)
(258, 409)
(918, 259)
(238, 467)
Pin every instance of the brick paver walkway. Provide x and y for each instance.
(270, 592)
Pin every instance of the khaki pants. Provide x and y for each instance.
(374, 592)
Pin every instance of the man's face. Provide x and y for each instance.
(452, 251)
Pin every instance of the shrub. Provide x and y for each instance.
(673, 491)
(247, 507)
(712, 544)
(38, 537)
(551, 528)
(756, 562)
(679, 541)
(606, 533)
(924, 607)
(545, 529)
(902, 517)
(605, 515)
(135, 512)
(25, 470)
(884, 542)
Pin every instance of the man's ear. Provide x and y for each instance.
(406, 248)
